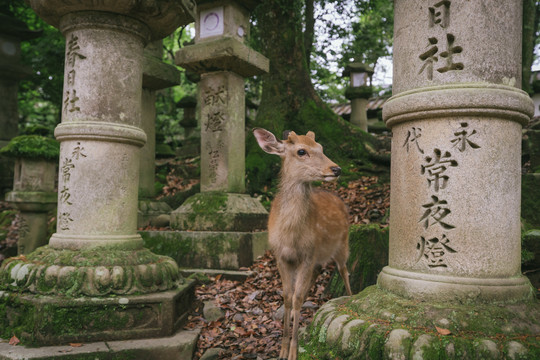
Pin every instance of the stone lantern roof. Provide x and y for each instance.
(162, 17)
(357, 67)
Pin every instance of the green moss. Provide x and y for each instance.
(469, 325)
(32, 147)
(368, 248)
(530, 200)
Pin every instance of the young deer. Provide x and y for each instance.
(307, 227)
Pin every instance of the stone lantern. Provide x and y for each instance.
(359, 91)
(12, 32)
(100, 282)
(222, 59)
(189, 121)
(33, 187)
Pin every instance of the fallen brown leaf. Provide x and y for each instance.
(443, 331)
(14, 341)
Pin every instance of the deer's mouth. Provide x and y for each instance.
(330, 177)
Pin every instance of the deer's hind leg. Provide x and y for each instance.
(341, 258)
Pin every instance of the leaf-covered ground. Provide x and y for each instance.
(250, 328)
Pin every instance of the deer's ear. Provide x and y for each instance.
(268, 142)
(311, 134)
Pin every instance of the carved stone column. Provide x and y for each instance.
(456, 116)
(96, 250)
(157, 75)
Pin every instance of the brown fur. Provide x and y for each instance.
(307, 227)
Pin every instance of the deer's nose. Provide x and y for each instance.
(336, 170)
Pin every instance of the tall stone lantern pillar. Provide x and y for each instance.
(359, 91)
(12, 32)
(157, 75)
(223, 60)
(456, 116)
(96, 251)
(453, 288)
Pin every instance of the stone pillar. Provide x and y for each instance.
(12, 32)
(219, 222)
(96, 250)
(359, 92)
(456, 116)
(157, 75)
(34, 196)
(189, 120)
(223, 60)
(453, 287)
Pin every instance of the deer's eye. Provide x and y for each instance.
(301, 152)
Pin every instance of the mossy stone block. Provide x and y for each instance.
(368, 248)
(218, 211)
(530, 199)
(50, 320)
(207, 249)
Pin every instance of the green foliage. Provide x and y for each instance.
(40, 95)
(32, 147)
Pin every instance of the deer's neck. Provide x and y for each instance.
(294, 203)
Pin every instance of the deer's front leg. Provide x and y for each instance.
(305, 278)
(287, 278)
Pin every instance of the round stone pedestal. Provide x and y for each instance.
(376, 324)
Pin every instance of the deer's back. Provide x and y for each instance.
(315, 228)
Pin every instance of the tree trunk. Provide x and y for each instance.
(289, 100)
(309, 16)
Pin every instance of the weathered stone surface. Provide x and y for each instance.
(46, 320)
(226, 54)
(334, 329)
(477, 330)
(456, 153)
(397, 345)
(211, 354)
(420, 345)
(488, 349)
(347, 330)
(162, 17)
(212, 312)
(181, 345)
(485, 51)
(90, 272)
(208, 249)
(516, 350)
(217, 211)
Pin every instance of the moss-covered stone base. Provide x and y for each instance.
(207, 249)
(155, 213)
(530, 200)
(97, 271)
(376, 324)
(219, 211)
(368, 248)
(55, 320)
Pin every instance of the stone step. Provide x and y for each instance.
(180, 346)
(234, 275)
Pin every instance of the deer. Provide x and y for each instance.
(307, 226)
